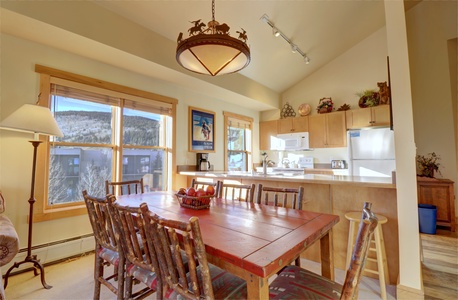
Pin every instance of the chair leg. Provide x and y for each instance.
(98, 272)
(298, 261)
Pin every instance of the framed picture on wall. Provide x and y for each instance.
(201, 130)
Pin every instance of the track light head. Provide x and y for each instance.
(275, 32)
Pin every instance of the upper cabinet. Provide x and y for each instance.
(328, 130)
(267, 133)
(367, 117)
(289, 125)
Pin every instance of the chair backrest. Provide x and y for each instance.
(241, 192)
(286, 197)
(124, 187)
(203, 184)
(179, 271)
(133, 238)
(101, 222)
(367, 226)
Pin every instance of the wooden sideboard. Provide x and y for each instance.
(438, 192)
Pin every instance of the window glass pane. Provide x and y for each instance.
(237, 161)
(148, 164)
(82, 121)
(236, 138)
(73, 169)
(141, 128)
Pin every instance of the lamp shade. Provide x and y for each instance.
(32, 118)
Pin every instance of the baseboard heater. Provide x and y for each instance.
(53, 252)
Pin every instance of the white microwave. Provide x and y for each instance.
(294, 141)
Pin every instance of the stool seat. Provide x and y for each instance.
(382, 265)
(356, 216)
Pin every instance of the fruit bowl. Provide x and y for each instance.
(201, 202)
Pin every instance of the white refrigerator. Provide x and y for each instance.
(371, 152)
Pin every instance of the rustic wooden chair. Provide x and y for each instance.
(107, 250)
(141, 261)
(241, 192)
(296, 283)
(124, 187)
(194, 278)
(281, 197)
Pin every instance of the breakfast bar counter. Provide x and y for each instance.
(333, 194)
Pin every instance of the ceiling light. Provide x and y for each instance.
(276, 32)
(210, 50)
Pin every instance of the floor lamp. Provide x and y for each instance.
(38, 120)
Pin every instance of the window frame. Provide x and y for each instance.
(42, 212)
(228, 116)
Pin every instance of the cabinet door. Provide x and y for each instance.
(317, 131)
(441, 194)
(336, 133)
(267, 130)
(285, 125)
(358, 118)
(381, 115)
(301, 124)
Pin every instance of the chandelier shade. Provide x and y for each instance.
(213, 53)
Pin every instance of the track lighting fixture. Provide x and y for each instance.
(276, 32)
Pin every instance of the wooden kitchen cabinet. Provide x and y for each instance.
(438, 192)
(289, 125)
(328, 130)
(267, 130)
(368, 117)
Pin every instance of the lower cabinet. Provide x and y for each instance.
(438, 192)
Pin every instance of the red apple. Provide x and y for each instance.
(191, 192)
(201, 192)
(210, 190)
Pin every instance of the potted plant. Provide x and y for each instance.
(428, 164)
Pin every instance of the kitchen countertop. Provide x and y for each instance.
(383, 182)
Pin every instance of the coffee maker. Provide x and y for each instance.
(202, 162)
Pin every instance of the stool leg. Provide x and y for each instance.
(382, 264)
(350, 244)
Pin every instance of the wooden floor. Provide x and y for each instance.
(440, 265)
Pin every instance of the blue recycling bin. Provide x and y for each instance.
(427, 215)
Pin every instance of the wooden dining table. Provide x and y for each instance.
(252, 241)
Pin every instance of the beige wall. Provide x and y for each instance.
(20, 84)
(358, 69)
(431, 25)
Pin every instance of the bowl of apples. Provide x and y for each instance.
(195, 198)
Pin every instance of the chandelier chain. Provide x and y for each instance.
(213, 10)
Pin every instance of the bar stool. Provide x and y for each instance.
(377, 244)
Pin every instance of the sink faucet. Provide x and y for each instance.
(265, 162)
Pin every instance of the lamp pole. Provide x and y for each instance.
(31, 258)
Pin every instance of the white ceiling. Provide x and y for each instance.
(323, 29)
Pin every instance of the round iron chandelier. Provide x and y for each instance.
(210, 50)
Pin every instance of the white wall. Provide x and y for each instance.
(20, 84)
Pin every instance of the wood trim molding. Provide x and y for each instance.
(103, 84)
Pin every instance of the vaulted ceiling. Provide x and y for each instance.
(323, 29)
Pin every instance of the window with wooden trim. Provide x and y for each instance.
(238, 142)
(108, 135)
